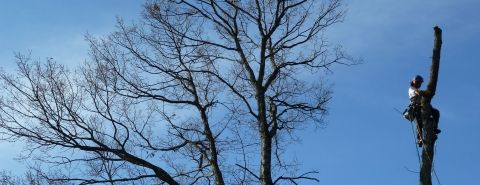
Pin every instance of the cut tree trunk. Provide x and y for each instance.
(430, 125)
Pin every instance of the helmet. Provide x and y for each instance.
(418, 78)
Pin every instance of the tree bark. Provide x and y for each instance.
(265, 141)
(213, 149)
(430, 125)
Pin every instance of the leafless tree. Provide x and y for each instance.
(430, 115)
(199, 92)
(29, 178)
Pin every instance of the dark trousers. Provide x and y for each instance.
(418, 119)
(435, 115)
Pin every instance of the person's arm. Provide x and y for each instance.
(423, 93)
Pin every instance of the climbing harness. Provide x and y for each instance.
(409, 112)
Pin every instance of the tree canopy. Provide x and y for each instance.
(198, 92)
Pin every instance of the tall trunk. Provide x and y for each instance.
(266, 175)
(265, 141)
(430, 125)
(213, 150)
(428, 146)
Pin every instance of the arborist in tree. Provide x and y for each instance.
(414, 111)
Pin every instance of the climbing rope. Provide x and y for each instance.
(415, 141)
(418, 153)
(428, 156)
(433, 167)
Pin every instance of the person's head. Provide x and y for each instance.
(417, 81)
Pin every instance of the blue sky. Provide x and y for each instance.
(54, 28)
(366, 142)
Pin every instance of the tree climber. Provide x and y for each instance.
(414, 111)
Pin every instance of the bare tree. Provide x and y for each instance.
(199, 92)
(29, 178)
(430, 120)
(8, 179)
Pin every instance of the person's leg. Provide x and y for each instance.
(418, 118)
(435, 114)
(436, 118)
(419, 132)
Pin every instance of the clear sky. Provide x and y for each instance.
(366, 142)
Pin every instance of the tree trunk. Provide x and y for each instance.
(266, 173)
(430, 125)
(265, 141)
(213, 149)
